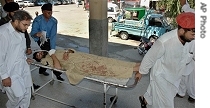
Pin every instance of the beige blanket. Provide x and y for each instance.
(80, 65)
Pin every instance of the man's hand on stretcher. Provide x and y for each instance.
(138, 75)
(136, 69)
(7, 81)
(29, 60)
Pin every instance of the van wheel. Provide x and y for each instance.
(124, 35)
(141, 49)
(110, 20)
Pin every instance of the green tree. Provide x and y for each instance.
(173, 8)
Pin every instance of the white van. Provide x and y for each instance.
(20, 3)
(112, 12)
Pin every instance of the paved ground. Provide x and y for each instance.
(73, 32)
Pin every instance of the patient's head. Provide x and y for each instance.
(39, 55)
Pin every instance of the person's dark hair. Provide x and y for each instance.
(179, 27)
(47, 7)
(6, 1)
(11, 7)
(21, 15)
(34, 57)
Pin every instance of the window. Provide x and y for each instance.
(155, 22)
(110, 9)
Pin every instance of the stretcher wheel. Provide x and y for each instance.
(52, 82)
(32, 97)
(112, 98)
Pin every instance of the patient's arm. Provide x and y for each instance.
(65, 56)
(136, 69)
(56, 62)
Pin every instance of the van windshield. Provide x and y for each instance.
(113, 8)
(165, 22)
(110, 9)
(117, 9)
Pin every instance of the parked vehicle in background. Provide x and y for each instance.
(59, 2)
(140, 23)
(113, 12)
(77, 1)
(28, 4)
(80, 2)
(0, 8)
(69, 1)
(146, 44)
(86, 5)
(39, 2)
(64, 2)
(20, 2)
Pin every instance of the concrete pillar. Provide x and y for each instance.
(98, 27)
(2, 2)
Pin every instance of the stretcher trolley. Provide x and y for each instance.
(107, 83)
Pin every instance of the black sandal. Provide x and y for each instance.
(142, 101)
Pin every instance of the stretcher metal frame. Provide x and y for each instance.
(106, 85)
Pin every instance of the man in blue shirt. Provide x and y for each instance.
(46, 23)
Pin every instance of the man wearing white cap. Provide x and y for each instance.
(165, 61)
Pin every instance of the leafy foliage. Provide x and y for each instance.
(173, 8)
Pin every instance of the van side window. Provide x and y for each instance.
(110, 9)
(155, 22)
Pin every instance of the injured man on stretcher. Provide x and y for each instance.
(79, 65)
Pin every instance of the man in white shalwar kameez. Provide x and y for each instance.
(15, 72)
(187, 84)
(165, 62)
